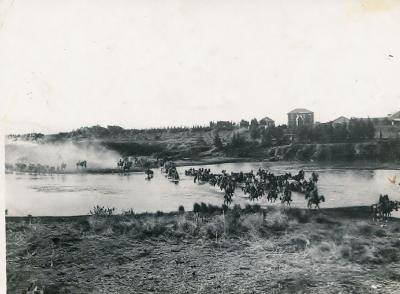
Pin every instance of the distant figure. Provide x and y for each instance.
(149, 174)
(81, 164)
(120, 164)
(63, 166)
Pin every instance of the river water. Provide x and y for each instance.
(76, 194)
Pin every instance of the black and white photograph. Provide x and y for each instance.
(200, 146)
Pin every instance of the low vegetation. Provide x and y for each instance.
(290, 250)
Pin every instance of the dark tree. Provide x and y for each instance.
(237, 140)
(370, 129)
(266, 139)
(255, 132)
(244, 123)
(217, 141)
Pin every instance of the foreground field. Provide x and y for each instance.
(247, 250)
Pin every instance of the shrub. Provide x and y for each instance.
(102, 211)
(196, 207)
(299, 242)
(387, 255)
(253, 223)
(128, 212)
(277, 222)
(153, 228)
(301, 215)
(380, 233)
(187, 226)
(252, 208)
(213, 208)
(203, 208)
(232, 219)
(83, 225)
(215, 228)
(181, 209)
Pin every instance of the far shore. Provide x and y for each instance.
(351, 165)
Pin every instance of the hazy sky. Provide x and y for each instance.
(72, 63)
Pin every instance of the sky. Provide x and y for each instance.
(152, 63)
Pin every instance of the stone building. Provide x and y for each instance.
(394, 118)
(266, 122)
(340, 120)
(300, 117)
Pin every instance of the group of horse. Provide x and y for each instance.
(37, 168)
(170, 171)
(384, 208)
(81, 163)
(261, 183)
(124, 164)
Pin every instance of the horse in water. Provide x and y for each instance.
(316, 200)
(149, 174)
(82, 163)
(383, 209)
(286, 197)
(127, 165)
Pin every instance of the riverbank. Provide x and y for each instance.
(244, 250)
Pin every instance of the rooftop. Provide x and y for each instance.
(340, 119)
(266, 119)
(394, 116)
(300, 110)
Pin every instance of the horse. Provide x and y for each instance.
(81, 164)
(287, 195)
(316, 200)
(149, 174)
(127, 165)
(120, 163)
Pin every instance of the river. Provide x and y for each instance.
(76, 194)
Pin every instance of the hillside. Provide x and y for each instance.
(319, 143)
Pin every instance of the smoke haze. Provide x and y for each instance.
(53, 154)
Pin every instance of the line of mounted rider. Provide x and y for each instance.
(262, 183)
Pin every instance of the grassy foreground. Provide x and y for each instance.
(249, 250)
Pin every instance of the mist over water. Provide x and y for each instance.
(53, 154)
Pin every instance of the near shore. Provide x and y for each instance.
(251, 249)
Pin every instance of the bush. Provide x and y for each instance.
(215, 228)
(83, 225)
(187, 226)
(301, 215)
(102, 211)
(277, 222)
(253, 223)
(181, 209)
(387, 255)
(203, 208)
(153, 228)
(196, 207)
(232, 219)
(128, 212)
(252, 208)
